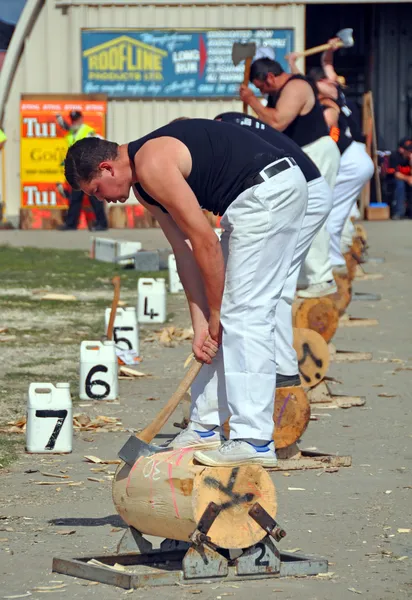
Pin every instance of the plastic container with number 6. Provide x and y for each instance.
(49, 427)
(98, 371)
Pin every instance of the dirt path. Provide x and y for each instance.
(351, 517)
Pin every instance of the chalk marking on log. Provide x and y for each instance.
(307, 351)
(172, 489)
(236, 499)
(282, 410)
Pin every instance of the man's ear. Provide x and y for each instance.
(106, 166)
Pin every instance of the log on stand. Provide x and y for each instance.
(313, 356)
(319, 314)
(166, 494)
(291, 416)
(343, 296)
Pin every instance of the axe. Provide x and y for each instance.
(244, 51)
(140, 445)
(345, 41)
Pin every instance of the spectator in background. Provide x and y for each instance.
(3, 139)
(78, 130)
(400, 168)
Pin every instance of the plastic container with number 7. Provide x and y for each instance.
(98, 371)
(49, 427)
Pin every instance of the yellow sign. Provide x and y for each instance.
(124, 58)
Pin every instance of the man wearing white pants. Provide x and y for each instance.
(318, 208)
(232, 287)
(293, 109)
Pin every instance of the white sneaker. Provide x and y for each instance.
(191, 436)
(238, 452)
(317, 290)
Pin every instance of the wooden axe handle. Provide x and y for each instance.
(115, 302)
(156, 425)
(318, 49)
(248, 64)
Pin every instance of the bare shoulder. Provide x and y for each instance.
(298, 86)
(161, 152)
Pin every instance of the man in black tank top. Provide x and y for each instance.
(318, 208)
(232, 287)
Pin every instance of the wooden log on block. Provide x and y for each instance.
(313, 356)
(361, 233)
(166, 494)
(343, 296)
(319, 314)
(291, 416)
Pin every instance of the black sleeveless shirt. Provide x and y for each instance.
(223, 158)
(352, 115)
(304, 129)
(345, 135)
(277, 139)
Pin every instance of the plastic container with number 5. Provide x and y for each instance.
(98, 371)
(125, 330)
(49, 428)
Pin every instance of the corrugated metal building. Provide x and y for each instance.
(45, 57)
(50, 60)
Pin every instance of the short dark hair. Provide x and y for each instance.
(83, 159)
(262, 67)
(317, 74)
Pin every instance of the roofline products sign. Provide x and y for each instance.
(134, 63)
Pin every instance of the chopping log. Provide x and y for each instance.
(318, 314)
(166, 494)
(343, 296)
(313, 356)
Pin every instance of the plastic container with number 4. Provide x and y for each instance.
(98, 371)
(151, 301)
(125, 330)
(49, 428)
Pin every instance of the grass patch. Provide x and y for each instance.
(62, 270)
(9, 449)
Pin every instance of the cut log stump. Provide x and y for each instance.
(343, 296)
(291, 416)
(166, 494)
(361, 232)
(319, 314)
(313, 356)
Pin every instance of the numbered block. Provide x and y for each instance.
(175, 285)
(125, 330)
(151, 301)
(49, 419)
(98, 371)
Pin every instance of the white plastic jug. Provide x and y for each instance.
(125, 330)
(49, 426)
(175, 285)
(98, 371)
(151, 301)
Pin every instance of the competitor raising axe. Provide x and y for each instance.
(244, 51)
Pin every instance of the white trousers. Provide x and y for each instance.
(261, 231)
(317, 268)
(318, 209)
(356, 168)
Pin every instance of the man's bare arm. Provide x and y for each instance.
(327, 61)
(289, 106)
(160, 166)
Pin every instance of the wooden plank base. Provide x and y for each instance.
(347, 355)
(321, 397)
(347, 321)
(295, 459)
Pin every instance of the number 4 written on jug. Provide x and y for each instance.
(150, 313)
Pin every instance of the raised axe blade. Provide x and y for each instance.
(346, 37)
(242, 51)
(135, 447)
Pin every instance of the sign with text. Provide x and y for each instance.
(44, 146)
(171, 64)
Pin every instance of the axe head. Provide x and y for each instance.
(242, 51)
(134, 448)
(346, 37)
